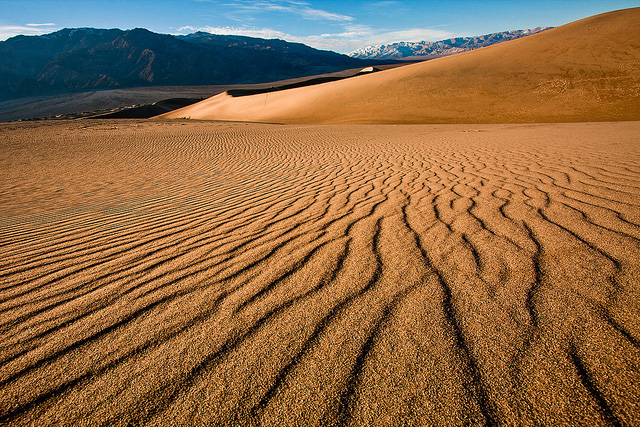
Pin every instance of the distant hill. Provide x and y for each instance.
(588, 70)
(426, 50)
(83, 59)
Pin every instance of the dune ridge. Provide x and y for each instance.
(248, 274)
(587, 70)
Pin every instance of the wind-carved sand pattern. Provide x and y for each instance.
(192, 273)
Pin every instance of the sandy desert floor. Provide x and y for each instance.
(237, 274)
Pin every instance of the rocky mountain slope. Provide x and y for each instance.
(424, 49)
(87, 58)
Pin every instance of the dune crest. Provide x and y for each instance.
(588, 70)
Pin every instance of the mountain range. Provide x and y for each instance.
(86, 59)
(80, 59)
(425, 50)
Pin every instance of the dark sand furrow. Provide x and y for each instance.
(9, 414)
(605, 314)
(284, 372)
(141, 348)
(145, 346)
(129, 270)
(325, 321)
(497, 215)
(574, 235)
(182, 227)
(141, 213)
(538, 274)
(588, 383)
(158, 287)
(474, 380)
(87, 340)
(267, 225)
(594, 222)
(599, 184)
(165, 224)
(320, 327)
(346, 401)
(531, 301)
(619, 328)
(618, 214)
(624, 201)
(262, 292)
(474, 252)
(198, 215)
(606, 184)
(164, 398)
(601, 216)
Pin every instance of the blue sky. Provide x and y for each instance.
(326, 24)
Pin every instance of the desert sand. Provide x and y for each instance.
(588, 70)
(205, 273)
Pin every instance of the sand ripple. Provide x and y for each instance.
(238, 274)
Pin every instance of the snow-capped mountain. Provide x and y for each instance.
(424, 49)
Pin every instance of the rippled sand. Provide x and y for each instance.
(236, 274)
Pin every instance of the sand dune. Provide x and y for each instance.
(588, 70)
(94, 102)
(202, 273)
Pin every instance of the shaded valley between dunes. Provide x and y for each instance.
(191, 273)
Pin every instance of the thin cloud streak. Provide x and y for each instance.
(8, 31)
(383, 3)
(293, 7)
(264, 33)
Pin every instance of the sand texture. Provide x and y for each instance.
(588, 70)
(203, 273)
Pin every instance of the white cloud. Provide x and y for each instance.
(7, 31)
(263, 33)
(294, 7)
(385, 3)
(353, 36)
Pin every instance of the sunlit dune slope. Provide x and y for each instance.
(588, 70)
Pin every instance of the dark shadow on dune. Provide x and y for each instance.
(150, 110)
(311, 82)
